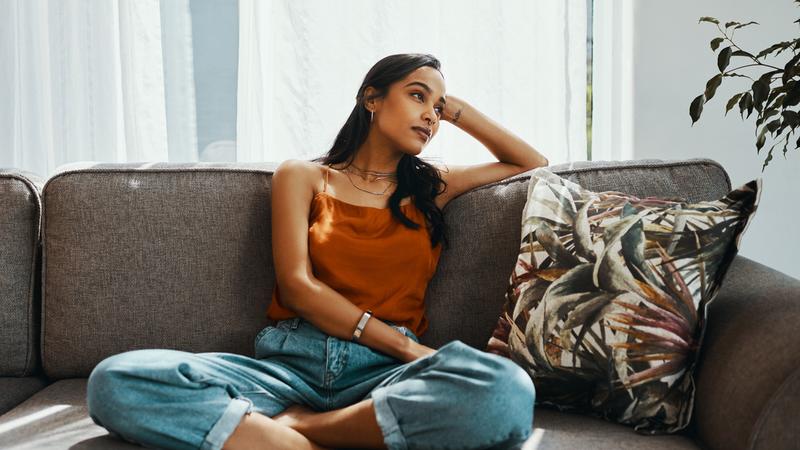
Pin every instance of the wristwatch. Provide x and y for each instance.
(361, 324)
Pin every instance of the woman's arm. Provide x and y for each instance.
(301, 291)
(515, 155)
(504, 145)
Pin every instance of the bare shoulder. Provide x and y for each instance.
(300, 166)
(308, 173)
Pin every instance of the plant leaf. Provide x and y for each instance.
(790, 117)
(610, 274)
(787, 68)
(742, 53)
(572, 289)
(724, 58)
(554, 248)
(760, 92)
(744, 25)
(696, 108)
(583, 238)
(711, 86)
(793, 96)
(761, 139)
(732, 102)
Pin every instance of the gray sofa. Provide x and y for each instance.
(105, 258)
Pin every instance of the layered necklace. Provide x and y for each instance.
(370, 176)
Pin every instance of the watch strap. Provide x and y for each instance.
(361, 324)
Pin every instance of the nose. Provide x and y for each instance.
(430, 116)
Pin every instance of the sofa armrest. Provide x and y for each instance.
(748, 376)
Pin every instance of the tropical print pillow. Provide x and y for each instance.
(606, 306)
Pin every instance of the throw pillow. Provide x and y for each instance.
(606, 306)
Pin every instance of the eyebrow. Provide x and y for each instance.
(427, 88)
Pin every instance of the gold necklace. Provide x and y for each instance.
(364, 174)
(347, 171)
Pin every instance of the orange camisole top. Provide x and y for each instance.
(370, 258)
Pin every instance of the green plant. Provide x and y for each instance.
(769, 101)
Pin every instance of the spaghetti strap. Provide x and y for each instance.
(327, 170)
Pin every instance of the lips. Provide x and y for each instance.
(425, 136)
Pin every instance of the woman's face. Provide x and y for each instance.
(417, 101)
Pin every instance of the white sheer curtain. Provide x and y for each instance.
(85, 81)
(520, 62)
(612, 81)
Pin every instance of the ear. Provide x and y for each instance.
(372, 104)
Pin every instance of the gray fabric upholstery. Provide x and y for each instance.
(553, 430)
(20, 204)
(15, 390)
(178, 255)
(165, 256)
(63, 422)
(748, 379)
(20, 286)
(56, 418)
(467, 291)
(777, 423)
(188, 247)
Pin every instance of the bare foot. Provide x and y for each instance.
(258, 430)
(293, 415)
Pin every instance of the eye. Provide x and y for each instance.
(422, 97)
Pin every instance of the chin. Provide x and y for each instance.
(421, 146)
(416, 150)
(412, 150)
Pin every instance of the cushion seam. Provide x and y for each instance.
(678, 163)
(770, 405)
(37, 229)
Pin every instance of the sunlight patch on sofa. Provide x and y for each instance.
(16, 423)
(536, 438)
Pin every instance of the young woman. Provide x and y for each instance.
(356, 235)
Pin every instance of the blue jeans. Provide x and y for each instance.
(456, 398)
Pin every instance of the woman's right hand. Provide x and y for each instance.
(417, 351)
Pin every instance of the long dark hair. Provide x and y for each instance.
(415, 177)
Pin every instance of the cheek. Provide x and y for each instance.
(396, 133)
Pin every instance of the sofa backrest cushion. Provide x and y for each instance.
(179, 255)
(468, 288)
(158, 255)
(20, 298)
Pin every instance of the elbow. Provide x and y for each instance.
(542, 162)
(294, 291)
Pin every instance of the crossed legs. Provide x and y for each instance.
(298, 427)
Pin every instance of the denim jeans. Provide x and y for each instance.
(456, 398)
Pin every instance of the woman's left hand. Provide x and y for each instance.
(452, 109)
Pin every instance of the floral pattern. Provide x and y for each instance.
(606, 306)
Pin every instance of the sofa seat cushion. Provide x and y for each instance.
(554, 430)
(57, 418)
(14, 390)
(54, 418)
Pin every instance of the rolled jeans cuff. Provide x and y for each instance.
(387, 420)
(226, 424)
